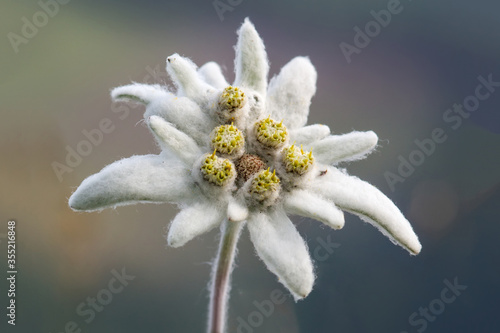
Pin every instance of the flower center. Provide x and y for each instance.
(217, 171)
(247, 166)
(264, 187)
(254, 150)
(228, 140)
(232, 98)
(231, 103)
(270, 133)
(296, 160)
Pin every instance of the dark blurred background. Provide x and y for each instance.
(55, 78)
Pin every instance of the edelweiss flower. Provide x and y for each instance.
(242, 152)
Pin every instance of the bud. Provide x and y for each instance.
(231, 101)
(296, 160)
(228, 141)
(270, 133)
(264, 187)
(217, 171)
(232, 98)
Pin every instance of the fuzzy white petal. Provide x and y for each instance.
(189, 83)
(309, 134)
(361, 198)
(290, 93)
(236, 210)
(182, 145)
(307, 204)
(251, 65)
(147, 178)
(138, 92)
(193, 221)
(185, 114)
(211, 73)
(283, 250)
(342, 148)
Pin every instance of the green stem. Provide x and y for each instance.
(221, 276)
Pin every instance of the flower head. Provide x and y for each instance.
(296, 160)
(226, 155)
(228, 141)
(270, 133)
(263, 188)
(216, 170)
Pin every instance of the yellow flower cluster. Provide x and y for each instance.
(263, 184)
(270, 133)
(227, 139)
(216, 170)
(232, 98)
(296, 160)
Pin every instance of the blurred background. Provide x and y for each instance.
(398, 77)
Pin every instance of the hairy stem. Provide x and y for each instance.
(221, 276)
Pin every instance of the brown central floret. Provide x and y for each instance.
(247, 166)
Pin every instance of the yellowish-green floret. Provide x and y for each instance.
(264, 185)
(270, 133)
(232, 98)
(296, 160)
(228, 140)
(216, 170)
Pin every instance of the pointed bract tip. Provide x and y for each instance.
(173, 242)
(247, 24)
(301, 294)
(415, 249)
(79, 204)
(154, 120)
(73, 204)
(372, 136)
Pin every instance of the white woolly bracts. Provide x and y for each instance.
(242, 152)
